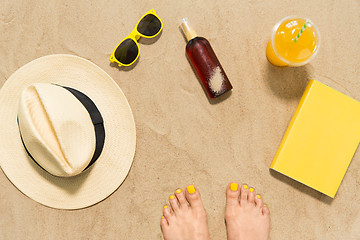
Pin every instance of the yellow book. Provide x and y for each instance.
(321, 139)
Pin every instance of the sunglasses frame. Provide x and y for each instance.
(135, 35)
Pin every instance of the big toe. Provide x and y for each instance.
(232, 194)
(193, 197)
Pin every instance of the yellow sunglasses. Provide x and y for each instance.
(128, 50)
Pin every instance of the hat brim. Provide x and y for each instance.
(113, 165)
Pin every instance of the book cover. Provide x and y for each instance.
(321, 139)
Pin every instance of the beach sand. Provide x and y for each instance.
(182, 137)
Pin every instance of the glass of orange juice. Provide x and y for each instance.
(294, 42)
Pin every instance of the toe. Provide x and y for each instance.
(163, 222)
(244, 192)
(258, 201)
(232, 194)
(265, 210)
(181, 198)
(167, 212)
(174, 202)
(251, 196)
(193, 196)
(165, 227)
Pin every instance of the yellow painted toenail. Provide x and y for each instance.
(234, 186)
(172, 197)
(245, 186)
(178, 190)
(165, 207)
(258, 196)
(162, 217)
(251, 189)
(191, 189)
(265, 205)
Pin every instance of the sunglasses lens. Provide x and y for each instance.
(149, 25)
(127, 51)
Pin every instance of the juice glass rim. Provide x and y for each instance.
(275, 28)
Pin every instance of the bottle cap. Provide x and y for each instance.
(187, 29)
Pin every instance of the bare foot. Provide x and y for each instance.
(186, 218)
(247, 218)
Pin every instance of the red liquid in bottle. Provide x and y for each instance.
(207, 67)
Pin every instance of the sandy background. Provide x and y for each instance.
(182, 138)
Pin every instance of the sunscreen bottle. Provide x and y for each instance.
(205, 62)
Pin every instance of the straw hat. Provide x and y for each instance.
(67, 133)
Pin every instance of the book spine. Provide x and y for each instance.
(293, 120)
